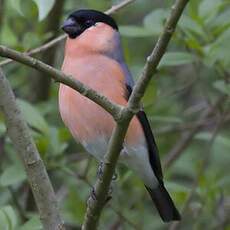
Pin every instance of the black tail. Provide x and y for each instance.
(164, 203)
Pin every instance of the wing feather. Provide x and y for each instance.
(152, 147)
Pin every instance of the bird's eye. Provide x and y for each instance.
(89, 23)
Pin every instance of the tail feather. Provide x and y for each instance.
(164, 203)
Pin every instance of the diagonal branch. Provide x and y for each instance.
(59, 76)
(119, 6)
(101, 188)
(21, 138)
(59, 39)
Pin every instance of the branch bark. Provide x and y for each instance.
(36, 173)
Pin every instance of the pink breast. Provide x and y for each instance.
(85, 119)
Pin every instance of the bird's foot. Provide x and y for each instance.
(100, 170)
(108, 198)
(109, 195)
(93, 194)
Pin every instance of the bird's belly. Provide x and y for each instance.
(137, 159)
(134, 157)
(87, 122)
(92, 127)
(97, 148)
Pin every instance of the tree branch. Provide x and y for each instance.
(59, 39)
(119, 6)
(58, 76)
(36, 173)
(95, 207)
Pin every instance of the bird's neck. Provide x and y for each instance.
(102, 40)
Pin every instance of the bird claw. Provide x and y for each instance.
(108, 198)
(109, 195)
(100, 170)
(93, 194)
(100, 174)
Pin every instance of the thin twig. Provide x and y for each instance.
(60, 38)
(119, 6)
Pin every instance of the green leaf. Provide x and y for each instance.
(222, 86)
(176, 187)
(12, 175)
(208, 9)
(75, 205)
(8, 218)
(176, 58)
(150, 94)
(56, 146)
(44, 7)
(135, 31)
(2, 128)
(187, 23)
(16, 4)
(155, 20)
(33, 224)
(9, 38)
(222, 19)
(218, 51)
(33, 116)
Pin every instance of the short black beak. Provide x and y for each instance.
(71, 27)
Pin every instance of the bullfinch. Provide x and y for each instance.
(94, 56)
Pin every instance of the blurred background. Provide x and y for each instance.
(187, 103)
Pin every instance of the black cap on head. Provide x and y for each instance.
(80, 20)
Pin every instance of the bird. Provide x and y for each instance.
(93, 55)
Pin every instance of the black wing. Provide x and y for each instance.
(152, 147)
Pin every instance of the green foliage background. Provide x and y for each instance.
(193, 74)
